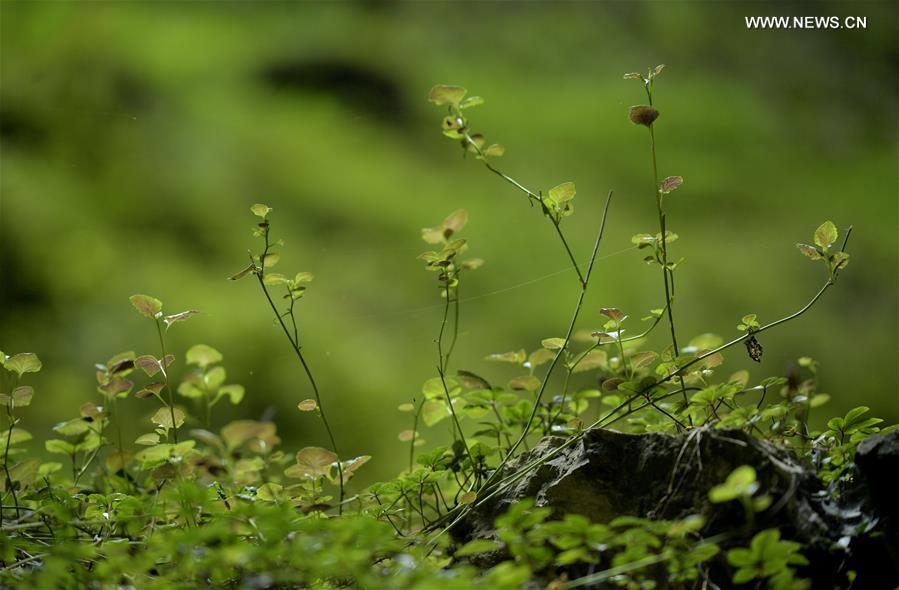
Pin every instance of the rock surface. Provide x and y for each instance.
(877, 556)
(608, 474)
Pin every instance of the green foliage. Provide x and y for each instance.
(183, 501)
(768, 557)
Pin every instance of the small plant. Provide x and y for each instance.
(768, 557)
(14, 396)
(742, 485)
(294, 288)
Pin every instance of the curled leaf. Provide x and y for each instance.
(260, 210)
(643, 115)
(809, 251)
(241, 274)
(670, 184)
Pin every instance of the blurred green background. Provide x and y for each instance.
(135, 136)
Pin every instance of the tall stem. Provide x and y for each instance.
(9, 482)
(168, 385)
(294, 343)
(667, 274)
(443, 360)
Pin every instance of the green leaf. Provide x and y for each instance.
(515, 357)
(853, 415)
(241, 274)
(471, 101)
(495, 150)
(203, 355)
(562, 193)
(72, 427)
(642, 359)
(21, 396)
(826, 234)
(477, 546)
(146, 305)
(433, 411)
(840, 260)
(25, 362)
(260, 210)
(553, 343)
(748, 321)
(307, 405)
(275, 279)
(706, 341)
(271, 259)
(743, 575)
(818, 400)
(444, 94)
(540, 356)
(147, 439)
(61, 447)
(740, 482)
(594, 359)
(238, 432)
(233, 391)
(269, 492)
(163, 417)
(525, 383)
(407, 435)
(453, 224)
(468, 498)
(48, 468)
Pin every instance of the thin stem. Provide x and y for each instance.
(414, 434)
(442, 365)
(260, 275)
(666, 272)
(168, 385)
(9, 481)
(452, 345)
(577, 311)
(115, 411)
(568, 250)
(532, 196)
(743, 337)
(830, 281)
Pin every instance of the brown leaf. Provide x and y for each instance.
(643, 115)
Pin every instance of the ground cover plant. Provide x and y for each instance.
(182, 500)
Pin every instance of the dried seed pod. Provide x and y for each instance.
(754, 349)
(643, 115)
